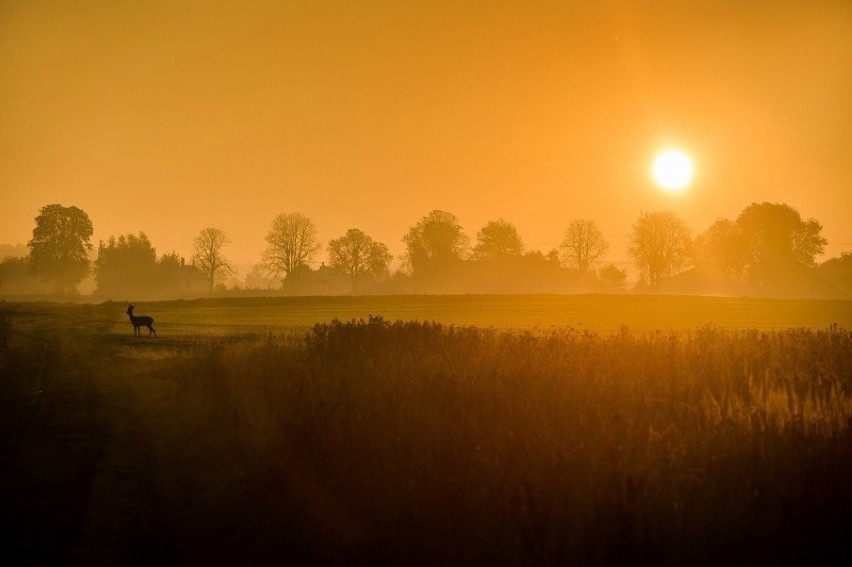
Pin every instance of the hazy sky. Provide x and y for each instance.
(170, 116)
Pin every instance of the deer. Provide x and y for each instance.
(139, 322)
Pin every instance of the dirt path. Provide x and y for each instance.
(124, 520)
(104, 461)
(81, 471)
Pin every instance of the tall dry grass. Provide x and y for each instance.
(419, 442)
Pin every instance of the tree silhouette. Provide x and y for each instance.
(16, 277)
(13, 251)
(777, 241)
(170, 268)
(584, 245)
(208, 257)
(498, 239)
(60, 245)
(292, 243)
(613, 276)
(659, 245)
(435, 242)
(720, 250)
(837, 273)
(127, 264)
(359, 256)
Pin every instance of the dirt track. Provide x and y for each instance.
(102, 461)
(82, 475)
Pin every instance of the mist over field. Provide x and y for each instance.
(768, 251)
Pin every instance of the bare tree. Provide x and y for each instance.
(207, 254)
(292, 243)
(498, 239)
(584, 245)
(359, 256)
(659, 245)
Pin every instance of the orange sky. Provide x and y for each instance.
(167, 116)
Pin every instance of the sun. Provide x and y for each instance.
(672, 170)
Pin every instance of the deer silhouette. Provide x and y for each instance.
(141, 321)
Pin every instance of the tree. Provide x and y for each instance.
(60, 245)
(380, 259)
(292, 243)
(127, 264)
(778, 242)
(719, 250)
(14, 270)
(584, 245)
(837, 272)
(359, 256)
(168, 270)
(659, 245)
(16, 277)
(435, 242)
(13, 251)
(498, 239)
(553, 256)
(613, 276)
(207, 254)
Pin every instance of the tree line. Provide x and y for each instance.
(767, 249)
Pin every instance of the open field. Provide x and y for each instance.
(599, 313)
(548, 433)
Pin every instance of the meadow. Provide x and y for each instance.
(600, 313)
(429, 430)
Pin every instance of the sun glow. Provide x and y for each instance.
(672, 170)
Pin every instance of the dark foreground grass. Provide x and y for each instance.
(419, 442)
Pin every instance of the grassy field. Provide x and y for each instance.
(599, 313)
(557, 430)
